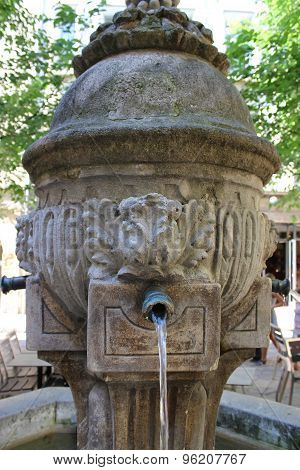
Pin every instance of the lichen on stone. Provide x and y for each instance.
(165, 28)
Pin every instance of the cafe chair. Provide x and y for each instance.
(10, 386)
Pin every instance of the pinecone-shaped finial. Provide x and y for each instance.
(151, 24)
(151, 4)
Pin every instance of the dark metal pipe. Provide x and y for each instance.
(281, 287)
(13, 283)
(157, 302)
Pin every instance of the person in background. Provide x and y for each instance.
(278, 300)
(297, 326)
(297, 318)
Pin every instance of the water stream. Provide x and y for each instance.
(161, 330)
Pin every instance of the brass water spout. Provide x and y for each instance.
(157, 302)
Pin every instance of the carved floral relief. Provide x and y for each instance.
(147, 237)
(143, 238)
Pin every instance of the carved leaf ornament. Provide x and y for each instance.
(149, 236)
(143, 238)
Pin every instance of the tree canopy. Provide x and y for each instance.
(34, 70)
(264, 58)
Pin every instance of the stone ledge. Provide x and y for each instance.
(31, 415)
(149, 142)
(260, 419)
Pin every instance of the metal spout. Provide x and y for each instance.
(13, 283)
(158, 303)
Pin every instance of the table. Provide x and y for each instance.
(30, 359)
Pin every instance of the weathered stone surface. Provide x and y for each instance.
(121, 340)
(267, 421)
(148, 237)
(249, 325)
(50, 326)
(32, 415)
(121, 402)
(151, 175)
(133, 402)
(150, 107)
(150, 26)
(72, 365)
(53, 410)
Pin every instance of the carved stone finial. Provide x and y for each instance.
(151, 4)
(150, 24)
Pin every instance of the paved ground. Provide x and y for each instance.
(264, 385)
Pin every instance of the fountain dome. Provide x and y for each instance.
(149, 83)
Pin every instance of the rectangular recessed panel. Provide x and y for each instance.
(120, 339)
(123, 338)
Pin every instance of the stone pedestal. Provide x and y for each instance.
(121, 411)
(117, 395)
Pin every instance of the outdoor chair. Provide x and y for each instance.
(7, 355)
(293, 349)
(10, 386)
(14, 342)
(280, 342)
(16, 348)
(288, 353)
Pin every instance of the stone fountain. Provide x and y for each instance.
(150, 177)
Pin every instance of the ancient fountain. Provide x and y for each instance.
(149, 178)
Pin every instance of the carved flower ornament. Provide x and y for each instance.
(147, 237)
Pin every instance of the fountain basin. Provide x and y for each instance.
(46, 418)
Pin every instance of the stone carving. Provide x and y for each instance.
(247, 325)
(24, 243)
(144, 238)
(150, 25)
(271, 239)
(50, 322)
(249, 321)
(150, 109)
(239, 257)
(151, 4)
(147, 237)
(141, 429)
(56, 239)
(126, 342)
(151, 236)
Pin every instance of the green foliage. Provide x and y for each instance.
(264, 56)
(34, 70)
